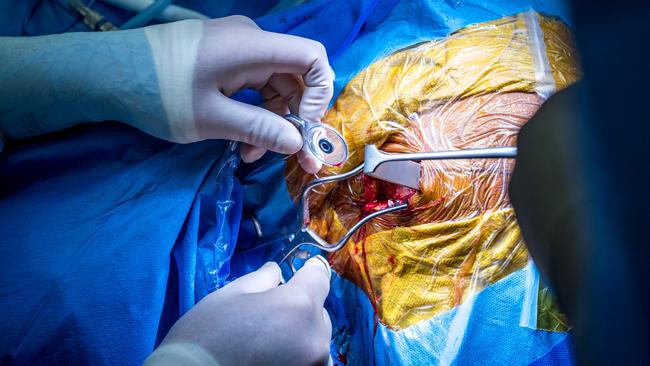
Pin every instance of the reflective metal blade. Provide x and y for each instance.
(406, 173)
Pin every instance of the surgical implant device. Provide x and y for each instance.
(323, 141)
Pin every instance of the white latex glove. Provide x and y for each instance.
(253, 321)
(201, 63)
(172, 81)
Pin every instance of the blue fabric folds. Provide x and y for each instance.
(100, 231)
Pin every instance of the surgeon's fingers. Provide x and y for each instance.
(318, 92)
(250, 153)
(274, 102)
(313, 279)
(307, 58)
(287, 88)
(327, 323)
(238, 19)
(282, 95)
(252, 125)
(308, 162)
(265, 278)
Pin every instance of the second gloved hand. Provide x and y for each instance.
(253, 321)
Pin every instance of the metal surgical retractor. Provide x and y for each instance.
(304, 236)
(323, 141)
(402, 168)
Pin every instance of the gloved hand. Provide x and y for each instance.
(253, 321)
(200, 64)
(172, 81)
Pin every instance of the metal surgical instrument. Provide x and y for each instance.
(324, 142)
(303, 235)
(402, 169)
(375, 160)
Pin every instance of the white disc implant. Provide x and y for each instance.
(324, 142)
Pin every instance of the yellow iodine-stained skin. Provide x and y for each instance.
(474, 88)
(417, 271)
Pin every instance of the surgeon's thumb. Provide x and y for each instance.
(265, 278)
(258, 127)
(313, 279)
